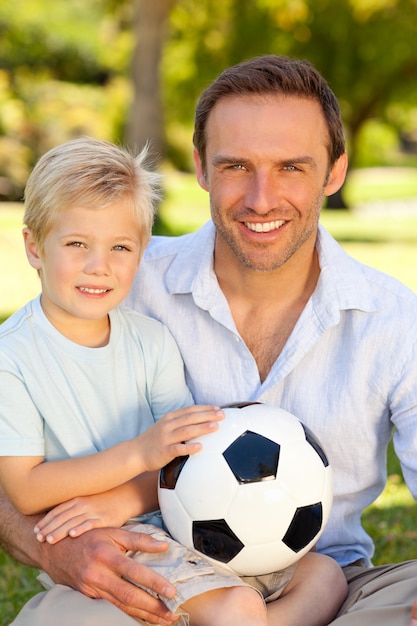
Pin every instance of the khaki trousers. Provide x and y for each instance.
(378, 596)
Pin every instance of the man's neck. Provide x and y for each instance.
(295, 279)
(265, 306)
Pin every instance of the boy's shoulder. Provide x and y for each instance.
(17, 321)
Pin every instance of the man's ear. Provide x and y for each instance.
(32, 250)
(337, 175)
(199, 171)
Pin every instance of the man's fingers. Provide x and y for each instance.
(121, 573)
(413, 621)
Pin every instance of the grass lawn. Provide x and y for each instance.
(381, 238)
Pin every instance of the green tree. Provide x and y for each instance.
(132, 70)
(365, 48)
(367, 51)
(63, 73)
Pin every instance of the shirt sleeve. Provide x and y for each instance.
(169, 390)
(403, 405)
(21, 426)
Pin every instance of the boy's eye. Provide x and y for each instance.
(75, 244)
(120, 247)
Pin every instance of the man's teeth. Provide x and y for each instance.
(266, 227)
(88, 290)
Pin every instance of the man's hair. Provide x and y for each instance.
(270, 75)
(90, 173)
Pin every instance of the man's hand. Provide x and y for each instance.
(96, 565)
(413, 621)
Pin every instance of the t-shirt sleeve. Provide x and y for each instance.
(169, 389)
(21, 426)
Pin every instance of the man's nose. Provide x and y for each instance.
(263, 192)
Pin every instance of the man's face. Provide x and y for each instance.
(267, 174)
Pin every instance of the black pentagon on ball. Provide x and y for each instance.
(216, 539)
(314, 443)
(253, 458)
(304, 526)
(169, 474)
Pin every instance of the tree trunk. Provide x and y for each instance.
(146, 115)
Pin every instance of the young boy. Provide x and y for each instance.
(93, 397)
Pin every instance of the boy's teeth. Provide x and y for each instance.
(88, 290)
(265, 227)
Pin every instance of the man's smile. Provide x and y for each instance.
(264, 227)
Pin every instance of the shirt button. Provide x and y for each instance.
(237, 339)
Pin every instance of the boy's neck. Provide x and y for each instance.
(84, 332)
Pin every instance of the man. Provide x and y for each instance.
(265, 305)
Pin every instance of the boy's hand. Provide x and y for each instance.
(169, 437)
(77, 516)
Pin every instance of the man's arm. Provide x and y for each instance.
(16, 534)
(95, 563)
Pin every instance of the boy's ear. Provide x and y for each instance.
(199, 171)
(337, 175)
(32, 250)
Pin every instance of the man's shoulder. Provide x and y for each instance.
(138, 323)
(390, 285)
(161, 246)
(357, 281)
(168, 246)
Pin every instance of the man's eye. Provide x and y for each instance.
(290, 168)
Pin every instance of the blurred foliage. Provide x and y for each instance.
(71, 41)
(65, 70)
(365, 48)
(63, 73)
(376, 142)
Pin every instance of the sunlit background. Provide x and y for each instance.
(131, 71)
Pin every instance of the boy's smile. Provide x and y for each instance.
(87, 265)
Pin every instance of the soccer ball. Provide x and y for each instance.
(257, 496)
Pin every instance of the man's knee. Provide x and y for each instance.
(66, 607)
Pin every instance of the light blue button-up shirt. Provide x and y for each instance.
(348, 370)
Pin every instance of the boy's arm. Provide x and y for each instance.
(109, 509)
(34, 486)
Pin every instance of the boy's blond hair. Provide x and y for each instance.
(94, 174)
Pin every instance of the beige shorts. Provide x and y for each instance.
(192, 575)
(378, 596)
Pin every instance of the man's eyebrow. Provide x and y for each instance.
(224, 159)
(300, 160)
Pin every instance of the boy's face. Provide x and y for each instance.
(87, 266)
